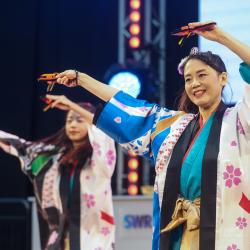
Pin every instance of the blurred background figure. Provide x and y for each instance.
(71, 174)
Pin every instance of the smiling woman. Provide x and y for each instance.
(75, 127)
(205, 76)
(201, 152)
(71, 173)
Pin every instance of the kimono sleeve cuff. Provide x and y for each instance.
(111, 118)
(245, 72)
(98, 111)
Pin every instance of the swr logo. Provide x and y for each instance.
(137, 221)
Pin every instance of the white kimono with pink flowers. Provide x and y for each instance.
(233, 183)
(91, 216)
(157, 133)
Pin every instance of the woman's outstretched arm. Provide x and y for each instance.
(71, 78)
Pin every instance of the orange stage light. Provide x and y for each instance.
(133, 163)
(134, 29)
(135, 16)
(133, 189)
(135, 4)
(134, 42)
(133, 177)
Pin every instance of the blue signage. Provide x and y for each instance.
(133, 221)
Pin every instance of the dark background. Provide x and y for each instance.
(42, 36)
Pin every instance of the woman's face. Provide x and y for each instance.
(203, 84)
(76, 127)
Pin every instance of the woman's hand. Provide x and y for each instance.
(60, 102)
(212, 32)
(67, 78)
(72, 78)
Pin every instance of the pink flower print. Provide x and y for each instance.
(231, 175)
(105, 231)
(90, 200)
(118, 119)
(233, 247)
(233, 143)
(97, 148)
(110, 157)
(240, 127)
(52, 238)
(241, 222)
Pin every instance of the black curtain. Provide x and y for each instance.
(44, 36)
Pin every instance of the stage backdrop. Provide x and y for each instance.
(40, 36)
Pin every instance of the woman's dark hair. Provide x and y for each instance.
(70, 154)
(212, 60)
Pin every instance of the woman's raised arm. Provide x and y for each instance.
(218, 35)
(62, 102)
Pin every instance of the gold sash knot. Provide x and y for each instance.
(185, 211)
(188, 213)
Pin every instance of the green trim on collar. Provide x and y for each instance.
(38, 163)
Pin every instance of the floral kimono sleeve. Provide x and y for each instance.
(134, 123)
(32, 156)
(244, 106)
(104, 153)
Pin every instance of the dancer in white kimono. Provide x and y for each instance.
(71, 173)
(201, 152)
